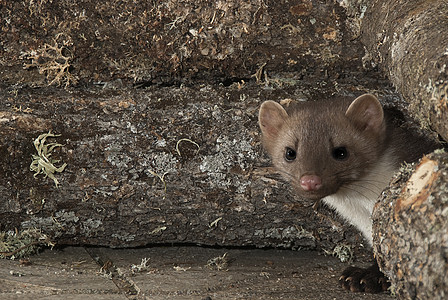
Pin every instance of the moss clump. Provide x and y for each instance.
(22, 244)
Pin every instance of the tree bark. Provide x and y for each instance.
(408, 40)
(180, 164)
(410, 230)
(170, 42)
(125, 183)
(158, 165)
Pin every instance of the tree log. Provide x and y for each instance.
(157, 165)
(408, 40)
(125, 183)
(180, 164)
(410, 230)
(70, 43)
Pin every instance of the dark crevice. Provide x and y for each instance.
(147, 84)
(232, 80)
(192, 82)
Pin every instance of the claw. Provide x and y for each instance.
(369, 280)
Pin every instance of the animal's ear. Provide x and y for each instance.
(367, 114)
(271, 119)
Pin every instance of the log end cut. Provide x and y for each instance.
(410, 225)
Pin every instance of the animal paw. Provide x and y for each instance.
(369, 280)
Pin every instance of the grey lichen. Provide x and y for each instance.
(115, 153)
(143, 266)
(160, 165)
(218, 263)
(124, 237)
(62, 222)
(43, 163)
(14, 244)
(91, 226)
(287, 236)
(343, 252)
(218, 165)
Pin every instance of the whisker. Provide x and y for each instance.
(360, 178)
(374, 183)
(348, 178)
(354, 190)
(290, 176)
(361, 186)
(367, 188)
(284, 173)
(373, 172)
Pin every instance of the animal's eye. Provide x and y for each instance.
(340, 153)
(290, 154)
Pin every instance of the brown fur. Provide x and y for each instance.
(314, 128)
(375, 145)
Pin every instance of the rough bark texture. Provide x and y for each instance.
(126, 184)
(122, 148)
(410, 230)
(117, 141)
(165, 42)
(408, 40)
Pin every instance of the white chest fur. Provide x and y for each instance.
(354, 202)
